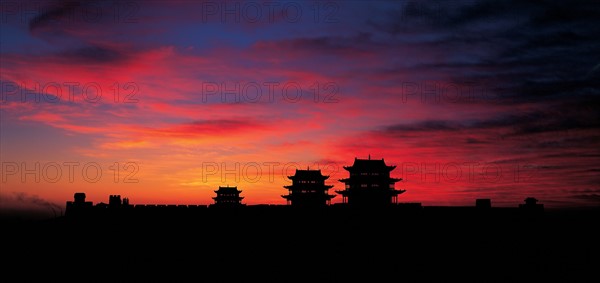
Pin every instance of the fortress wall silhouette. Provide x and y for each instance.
(279, 243)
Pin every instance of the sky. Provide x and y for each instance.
(162, 102)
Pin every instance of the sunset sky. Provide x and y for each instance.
(164, 102)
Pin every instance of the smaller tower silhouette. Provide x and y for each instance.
(79, 198)
(531, 205)
(78, 206)
(114, 201)
(228, 197)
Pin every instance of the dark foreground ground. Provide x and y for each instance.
(284, 245)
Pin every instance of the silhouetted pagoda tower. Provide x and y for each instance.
(228, 197)
(370, 184)
(308, 189)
